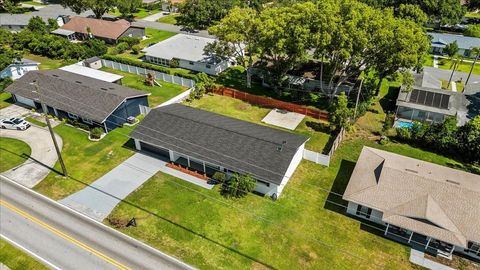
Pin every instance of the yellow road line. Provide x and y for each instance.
(63, 235)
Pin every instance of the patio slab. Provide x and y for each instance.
(418, 257)
(284, 119)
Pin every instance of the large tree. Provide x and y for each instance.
(128, 7)
(200, 14)
(238, 36)
(98, 7)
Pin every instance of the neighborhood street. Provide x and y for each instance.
(67, 240)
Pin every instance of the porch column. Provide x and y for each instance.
(386, 230)
(188, 161)
(428, 242)
(410, 238)
(451, 251)
(204, 167)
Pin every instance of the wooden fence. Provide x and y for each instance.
(271, 103)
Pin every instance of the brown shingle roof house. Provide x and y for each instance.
(419, 202)
(110, 31)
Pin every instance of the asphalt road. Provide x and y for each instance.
(65, 239)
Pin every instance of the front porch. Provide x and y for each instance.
(419, 241)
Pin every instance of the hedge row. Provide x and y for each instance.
(132, 62)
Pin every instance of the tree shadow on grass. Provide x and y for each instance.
(388, 102)
(334, 200)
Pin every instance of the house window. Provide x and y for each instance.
(364, 211)
(87, 121)
(208, 66)
(73, 116)
(191, 63)
(473, 248)
(264, 183)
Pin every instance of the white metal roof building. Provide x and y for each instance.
(93, 73)
(188, 51)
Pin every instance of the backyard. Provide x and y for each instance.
(159, 94)
(244, 111)
(85, 160)
(13, 258)
(12, 153)
(48, 63)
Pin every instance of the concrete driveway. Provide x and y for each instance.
(42, 158)
(14, 110)
(99, 199)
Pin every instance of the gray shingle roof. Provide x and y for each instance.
(442, 39)
(240, 146)
(409, 190)
(70, 92)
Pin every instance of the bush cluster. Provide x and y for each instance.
(237, 186)
(446, 138)
(78, 124)
(96, 133)
(133, 62)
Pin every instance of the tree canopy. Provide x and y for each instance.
(98, 7)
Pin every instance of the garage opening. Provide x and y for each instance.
(155, 150)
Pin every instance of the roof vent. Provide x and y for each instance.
(104, 89)
(55, 75)
(412, 171)
(280, 146)
(111, 88)
(452, 182)
(78, 82)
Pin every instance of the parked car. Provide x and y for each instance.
(14, 123)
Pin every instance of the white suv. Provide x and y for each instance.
(14, 123)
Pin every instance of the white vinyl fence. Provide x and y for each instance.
(322, 158)
(143, 71)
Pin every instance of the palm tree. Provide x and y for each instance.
(476, 52)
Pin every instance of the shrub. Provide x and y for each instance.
(238, 186)
(473, 30)
(136, 49)
(131, 41)
(174, 63)
(219, 177)
(75, 123)
(404, 134)
(96, 133)
(122, 47)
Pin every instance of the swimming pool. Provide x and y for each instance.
(403, 124)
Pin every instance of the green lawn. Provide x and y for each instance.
(472, 15)
(159, 94)
(155, 36)
(85, 160)
(47, 63)
(444, 63)
(244, 111)
(170, 19)
(5, 100)
(211, 232)
(35, 122)
(12, 153)
(140, 14)
(15, 259)
(33, 3)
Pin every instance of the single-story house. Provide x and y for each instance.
(208, 142)
(428, 102)
(72, 96)
(171, 5)
(441, 40)
(18, 68)
(81, 28)
(419, 203)
(93, 73)
(188, 51)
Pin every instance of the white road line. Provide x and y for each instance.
(44, 261)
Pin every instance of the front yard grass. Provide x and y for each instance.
(445, 63)
(6, 100)
(13, 258)
(244, 111)
(12, 153)
(139, 14)
(208, 231)
(159, 94)
(85, 160)
(155, 36)
(169, 19)
(35, 122)
(47, 63)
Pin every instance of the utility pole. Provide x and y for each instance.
(358, 97)
(60, 159)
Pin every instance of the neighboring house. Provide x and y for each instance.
(420, 203)
(18, 69)
(71, 96)
(441, 40)
(80, 28)
(209, 142)
(93, 73)
(428, 102)
(171, 5)
(188, 52)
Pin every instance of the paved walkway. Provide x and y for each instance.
(100, 198)
(154, 17)
(435, 61)
(454, 86)
(418, 257)
(42, 158)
